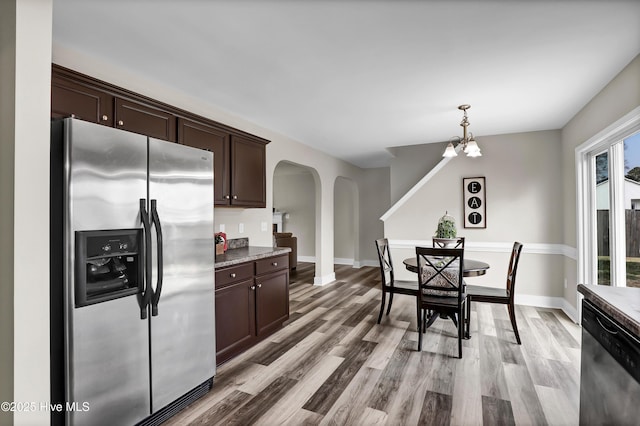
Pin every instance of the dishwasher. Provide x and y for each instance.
(609, 372)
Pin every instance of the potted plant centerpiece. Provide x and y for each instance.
(446, 231)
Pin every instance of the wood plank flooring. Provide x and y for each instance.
(333, 365)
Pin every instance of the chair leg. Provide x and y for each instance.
(455, 320)
(512, 315)
(467, 319)
(460, 330)
(429, 319)
(420, 314)
(384, 296)
(390, 302)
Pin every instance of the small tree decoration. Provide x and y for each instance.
(446, 227)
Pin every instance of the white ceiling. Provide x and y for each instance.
(353, 78)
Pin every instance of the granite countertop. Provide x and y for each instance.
(247, 254)
(621, 303)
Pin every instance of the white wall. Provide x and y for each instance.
(410, 163)
(523, 200)
(374, 193)
(620, 96)
(25, 79)
(345, 221)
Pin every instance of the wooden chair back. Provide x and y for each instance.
(438, 243)
(513, 268)
(440, 271)
(386, 263)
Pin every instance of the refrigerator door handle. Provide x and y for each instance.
(145, 297)
(156, 221)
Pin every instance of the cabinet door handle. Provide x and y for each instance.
(105, 118)
(120, 123)
(253, 287)
(232, 275)
(226, 197)
(275, 263)
(235, 197)
(259, 285)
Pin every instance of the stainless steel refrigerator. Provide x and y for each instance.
(135, 291)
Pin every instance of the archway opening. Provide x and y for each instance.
(294, 207)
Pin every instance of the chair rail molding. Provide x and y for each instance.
(497, 247)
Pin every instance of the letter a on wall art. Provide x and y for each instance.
(475, 210)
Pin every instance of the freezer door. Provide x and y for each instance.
(106, 344)
(183, 331)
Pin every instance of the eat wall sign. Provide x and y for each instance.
(475, 211)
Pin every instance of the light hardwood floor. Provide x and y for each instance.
(332, 364)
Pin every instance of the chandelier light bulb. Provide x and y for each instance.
(450, 151)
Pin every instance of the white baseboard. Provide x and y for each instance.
(362, 263)
(320, 281)
(548, 302)
(342, 261)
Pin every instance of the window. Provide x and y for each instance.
(608, 184)
(616, 180)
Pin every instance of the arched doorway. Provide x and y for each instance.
(294, 206)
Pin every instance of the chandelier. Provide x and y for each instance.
(469, 145)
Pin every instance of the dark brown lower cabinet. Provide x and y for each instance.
(235, 319)
(272, 301)
(250, 309)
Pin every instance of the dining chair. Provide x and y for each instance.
(389, 283)
(505, 296)
(438, 242)
(441, 288)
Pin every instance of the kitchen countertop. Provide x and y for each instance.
(621, 303)
(247, 254)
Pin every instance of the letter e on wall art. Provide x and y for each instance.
(475, 209)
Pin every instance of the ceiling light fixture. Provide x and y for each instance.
(469, 145)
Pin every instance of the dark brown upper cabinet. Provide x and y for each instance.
(203, 136)
(140, 118)
(248, 172)
(239, 163)
(71, 99)
(239, 157)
